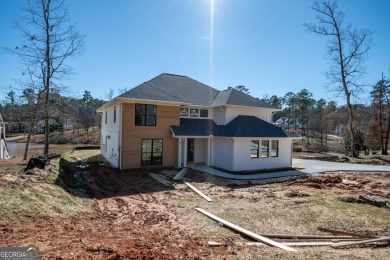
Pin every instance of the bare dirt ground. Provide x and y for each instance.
(128, 215)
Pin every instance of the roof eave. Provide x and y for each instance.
(118, 100)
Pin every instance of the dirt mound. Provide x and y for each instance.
(366, 182)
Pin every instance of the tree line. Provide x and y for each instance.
(318, 118)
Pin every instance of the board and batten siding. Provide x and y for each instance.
(243, 160)
(132, 135)
(110, 135)
(222, 154)
(262, 113)
(218, 115)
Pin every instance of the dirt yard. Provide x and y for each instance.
(92, 211)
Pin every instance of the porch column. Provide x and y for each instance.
(208, 151)
(185, 152)
(179, 153)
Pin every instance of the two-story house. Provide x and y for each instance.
(173, 120)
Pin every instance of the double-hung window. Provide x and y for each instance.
(274, 148)
(264, 148)
(145, 115)
(254, 149)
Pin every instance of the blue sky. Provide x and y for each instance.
(261, 44)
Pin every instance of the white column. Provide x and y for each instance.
(208, 151)
(185, 153)
(179, 153)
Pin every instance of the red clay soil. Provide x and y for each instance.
(129, 220)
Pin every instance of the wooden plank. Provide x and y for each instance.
(160, 180)
(181, 174)
(296, 243)
(246, 232)
(305, 236)
(340, 232)
(367, 241)
(198, 191)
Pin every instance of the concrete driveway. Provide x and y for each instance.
(312, 166)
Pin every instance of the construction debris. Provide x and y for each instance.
(340, 232)
(197, 191)
(246, 232)
(40, 161)
(368, 241)
(181, 174)
(160, 179)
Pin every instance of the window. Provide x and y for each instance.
(204, 113)
(184, 112)
(145, 115)
(151, 152)
(105, 117)
(194, 112)
(255, 149)
(114, 114)
(265, 148)
(274, 148)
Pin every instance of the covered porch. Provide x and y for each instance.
(194, 150)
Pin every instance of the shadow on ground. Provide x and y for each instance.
(90, 179)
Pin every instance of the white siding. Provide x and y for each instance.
(110, 146)
(222, 154)
(218, 116)
(233, 112)
(243, 160)
(200, 150)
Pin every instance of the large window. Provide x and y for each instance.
(265, 148)
(145, 115)
(255, 149)
(274, 148)
(152, 152)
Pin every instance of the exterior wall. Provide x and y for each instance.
(222, 156)
(200, 150)
(110, 136)
(243, 160)
(132, 135)
(233, 112)
(218, 116)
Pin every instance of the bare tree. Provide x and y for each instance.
(48, 41)
(348, 48)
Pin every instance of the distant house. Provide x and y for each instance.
(173, 120)
(288, 123)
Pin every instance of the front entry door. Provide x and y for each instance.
(190, 149)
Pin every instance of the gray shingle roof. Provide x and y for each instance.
(176, 88)
(241, 126)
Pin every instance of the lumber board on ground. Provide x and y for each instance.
(306, 236)
(181, 174)
(246, 232)
(160, 179)
(198, 191)
(366, 241)
(296, 243)
(341, 232)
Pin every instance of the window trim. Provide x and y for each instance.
(257, 149)
(267, 151)
(145, 115)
